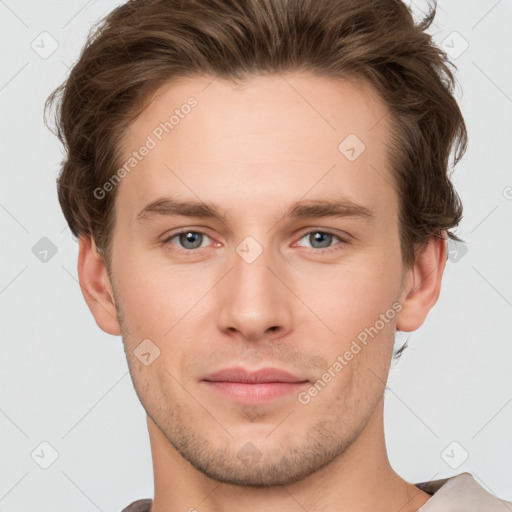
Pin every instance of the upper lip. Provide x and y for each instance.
(253, 377)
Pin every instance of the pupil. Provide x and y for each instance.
(190, 240)
(323, 238)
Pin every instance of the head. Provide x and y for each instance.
(254, 184)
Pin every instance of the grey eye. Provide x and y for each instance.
(319, 239)
(189, 239)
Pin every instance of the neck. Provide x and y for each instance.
(361, 478)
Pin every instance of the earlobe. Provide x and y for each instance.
(422, 285)
(96, 287)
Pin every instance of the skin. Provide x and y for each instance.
(254, 150)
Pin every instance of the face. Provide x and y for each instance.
(284, 256)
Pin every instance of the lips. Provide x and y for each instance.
(256, 387)
(265, 375)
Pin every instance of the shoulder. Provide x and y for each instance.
(139, 506)
(460, 493)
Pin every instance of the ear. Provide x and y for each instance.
(96, 287)
(422, 285)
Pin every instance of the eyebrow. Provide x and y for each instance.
(302, 209)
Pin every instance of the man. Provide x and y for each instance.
(261, 197)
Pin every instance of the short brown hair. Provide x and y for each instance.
(144, 44)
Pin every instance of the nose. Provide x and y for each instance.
(255, 302)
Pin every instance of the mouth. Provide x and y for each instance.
(259, 386)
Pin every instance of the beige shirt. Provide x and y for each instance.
(459, 493)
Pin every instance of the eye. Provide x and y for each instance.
(188, 240)
(321, 239)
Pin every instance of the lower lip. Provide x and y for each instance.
(255, 393)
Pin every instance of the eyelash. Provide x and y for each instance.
(332, 248)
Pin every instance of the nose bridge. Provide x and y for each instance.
(255, 302)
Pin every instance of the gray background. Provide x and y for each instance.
(65, 382)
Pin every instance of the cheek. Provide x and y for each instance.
(151, 299)
(353, 299)
(362, 380)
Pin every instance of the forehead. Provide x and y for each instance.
(273, 137)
